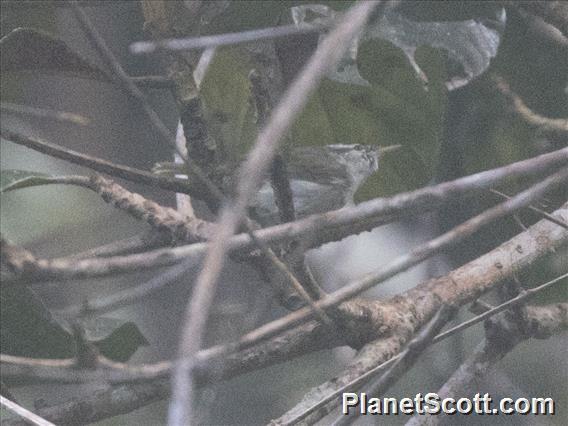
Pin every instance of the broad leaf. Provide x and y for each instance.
(372, 97)
(231, 114)
(121, 343)
(27, 328)
(470, 45)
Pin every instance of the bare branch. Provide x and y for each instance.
(421, 253)
(405, 360)
(326, 404)
(293, 281)
(135, 244)
(102, 404)
(553, 12)
(471, 279)
(279, 178)
(180, 227)
(103, 166)
(222, 39)
(129, 295)
(66, 117)
(213, 195)
(545, 124)
(538, 27)
(28, 416)
(540, 212)
(164, 219)
(153, 82)
(405, 313)
(546, 321)
(370, 213)
(250, 178)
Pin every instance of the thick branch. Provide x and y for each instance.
(402, 315)
(27, 417)
(544, 322)
(349, 220)
(250, 178)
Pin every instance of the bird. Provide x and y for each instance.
(322, 178)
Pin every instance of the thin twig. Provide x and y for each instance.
(20, 411)
(402, 205)
(130, 295)
(95, 406)
(214, 195)
(540, 212)
(153, 82)
(521, 298)
(546, 124)
(255, 167)
(546, 321)
(223, 39)
(103, 166)
(135, 244)
(66, 117)
(356, 383)
(279, 178)
(405, 360)
(137, 395)
(183, 201)
(296, 285)
(421, 253)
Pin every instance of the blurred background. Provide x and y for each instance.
(477, 133)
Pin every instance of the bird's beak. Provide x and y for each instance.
(386, 149)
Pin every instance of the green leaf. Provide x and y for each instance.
(470, 45)
(395, 109)
(11, 180)
(392, 107)
(229, 106)
(122, 343)
(27, 328)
